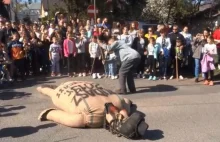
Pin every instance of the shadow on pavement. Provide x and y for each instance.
(217, 83)
(157, 88)
(10, 94)
(16, 132)
(154, 135)
(27, 83)
(9, 110)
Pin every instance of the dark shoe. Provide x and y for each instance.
(133, 91)
(196, 80)
(119, 91)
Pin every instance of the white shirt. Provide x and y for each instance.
(167, 42)
(188, 37)
(210, 48)
(94, 50)
(150, 49)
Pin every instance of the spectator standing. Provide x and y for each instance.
(9, 31)
(44, 49)
(34, 41)
(132, 31)
(51, 29)
(188, 47)
(3, 68)
(150, 34)
(70, 52)
(153, 50)
(99, 23)
(164, 58)
(27, 56)
(88, 32)
(2, 33)
(81, 42)
(95, 55)
(16, 55)
(173, 37)
(36, 31)
(140, 45)
(197, 46)
(159, 28)
(125, 37)
(216, 36)
(105, 24)
(210, 49)
(179, 58)
(55, 54)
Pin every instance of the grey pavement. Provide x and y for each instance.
(176, 111)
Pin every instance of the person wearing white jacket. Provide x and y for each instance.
(164, 57)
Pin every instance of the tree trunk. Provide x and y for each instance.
(169, 12)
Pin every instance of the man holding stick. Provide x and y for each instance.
(129, 59)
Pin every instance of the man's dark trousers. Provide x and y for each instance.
(126, 73)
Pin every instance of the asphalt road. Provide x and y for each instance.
(175, 111)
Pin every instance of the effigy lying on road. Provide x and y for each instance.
(82, 104)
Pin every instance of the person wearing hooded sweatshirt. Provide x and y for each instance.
(129, 59)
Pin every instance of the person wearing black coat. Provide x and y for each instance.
(173, 37)
(140, 45)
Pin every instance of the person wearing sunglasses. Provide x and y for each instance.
(150, 33)
(174, 35)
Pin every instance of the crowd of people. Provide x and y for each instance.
(31, 49)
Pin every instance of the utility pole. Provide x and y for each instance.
(95, 11)
(48, 10)
(16, 10)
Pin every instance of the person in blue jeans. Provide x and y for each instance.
(112, 66)
(197, 45)
(55, 54)
(164, 56)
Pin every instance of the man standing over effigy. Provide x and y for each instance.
(129, 59)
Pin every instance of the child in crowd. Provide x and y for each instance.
(112, 66)
(45, 62)
(3, 65)
(55, 54)
(210, 49)
(16, 54)
(27, 56)
(81, 42)
(179, 59)
(164, 57)
(70, 52)
(153, 49)
(95, 55)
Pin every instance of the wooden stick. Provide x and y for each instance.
(177, 71)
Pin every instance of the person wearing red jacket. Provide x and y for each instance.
(70, 52)
(216, 36)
